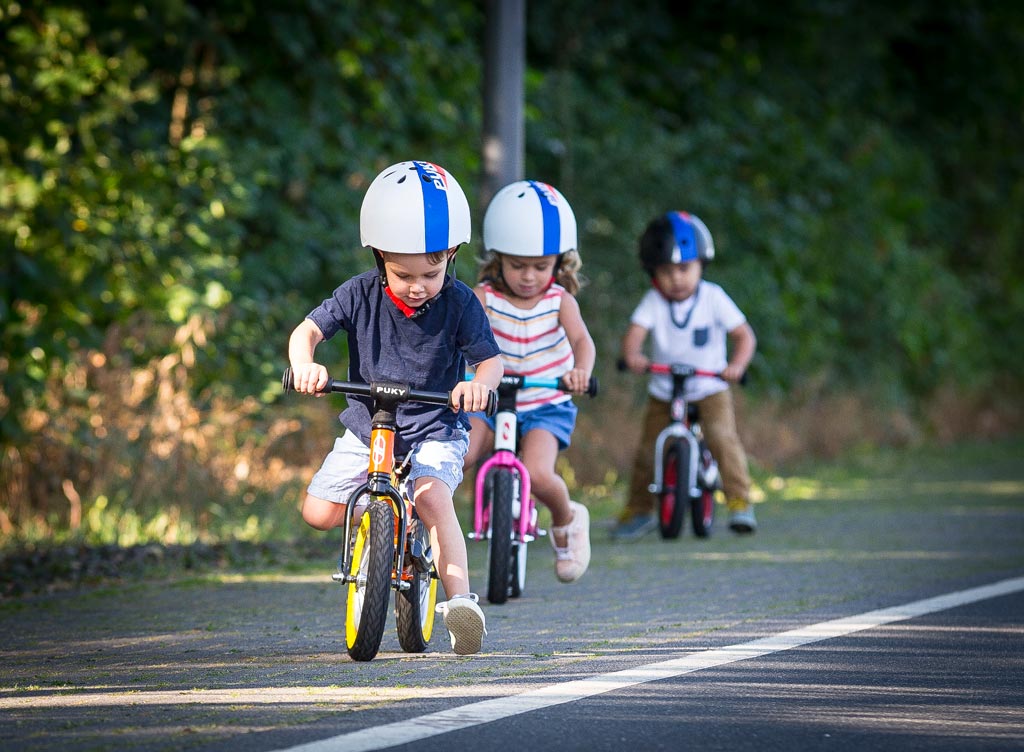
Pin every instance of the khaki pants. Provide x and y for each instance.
(718, 419)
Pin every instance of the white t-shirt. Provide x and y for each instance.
(693, 331)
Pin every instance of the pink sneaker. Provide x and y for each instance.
(572, 561)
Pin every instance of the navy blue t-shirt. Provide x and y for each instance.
(427, 352)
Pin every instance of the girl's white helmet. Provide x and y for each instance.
(529, 218)
(414, 207)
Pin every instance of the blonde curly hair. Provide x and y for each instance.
(567, 272)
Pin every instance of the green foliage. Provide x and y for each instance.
(842, 155)
(178, 161)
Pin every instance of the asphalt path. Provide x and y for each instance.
(947, 681)
(255, 661)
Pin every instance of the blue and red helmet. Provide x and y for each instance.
(674, 238)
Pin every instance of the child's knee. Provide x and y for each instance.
(542, 475)
(433, 495)
(545, 479)
(319, 513)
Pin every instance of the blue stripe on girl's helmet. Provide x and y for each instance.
(434, 183)
(549, 216)
(686, 247)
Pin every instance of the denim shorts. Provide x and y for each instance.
(344, 468)
(558, 419)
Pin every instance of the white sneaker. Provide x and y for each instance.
(572, 561)
(465, 623)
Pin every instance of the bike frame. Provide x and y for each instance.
(505, 513)
(505, 454)
(395, 544)
(679, 428)
(381, 485)
(381, 480)
(506, 446)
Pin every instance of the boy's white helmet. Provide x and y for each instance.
(414, 207)
(529, 218)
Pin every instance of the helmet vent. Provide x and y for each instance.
(402, 179)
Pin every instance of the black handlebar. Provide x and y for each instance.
(384, 391)
(591, 386)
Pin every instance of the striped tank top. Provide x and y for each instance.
(532, 343)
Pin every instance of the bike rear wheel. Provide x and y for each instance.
(674, 494)
(702, 506)
(518, 583)
(499, 488)
(414, 608)
(366, 609)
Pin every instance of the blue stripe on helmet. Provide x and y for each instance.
(686, 239)
(435, 206)
(550, 217)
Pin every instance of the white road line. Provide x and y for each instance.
(477, 713)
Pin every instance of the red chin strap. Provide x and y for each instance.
(409, 311)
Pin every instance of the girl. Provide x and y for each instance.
(527, 284)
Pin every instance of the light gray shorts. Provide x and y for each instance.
(344, 468)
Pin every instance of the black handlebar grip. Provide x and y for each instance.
(286, 380)
(492, 403)
(592, 387)
(620, 364)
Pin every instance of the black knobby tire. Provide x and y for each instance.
(414, 608)
(702, 506)
(499, 488)
(367, 606)
(672, 500)
(518, 570)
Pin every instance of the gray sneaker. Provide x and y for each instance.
(634, 528)
(742, 520)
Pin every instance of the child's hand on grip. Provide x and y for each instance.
(471, 396)
(309, 378)
(578, 380)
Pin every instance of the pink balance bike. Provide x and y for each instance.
(685, 473)
(504, 512)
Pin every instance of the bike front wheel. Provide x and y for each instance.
(366, 609)
(499, 487)
(414, 607)
(672, 499)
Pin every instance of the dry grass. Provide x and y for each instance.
(131, 448)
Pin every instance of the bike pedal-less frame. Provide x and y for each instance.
(685, 473)
(385, 545)
(504, 510)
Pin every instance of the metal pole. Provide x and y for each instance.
(504, 71)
